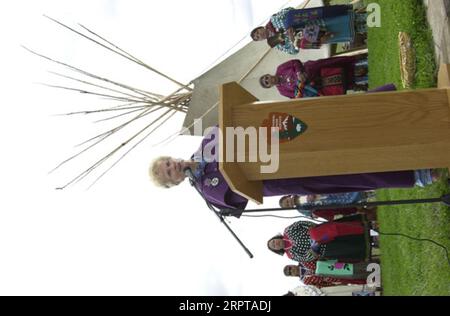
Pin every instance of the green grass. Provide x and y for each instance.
(401, 16)
(408, 267)
(411, 267)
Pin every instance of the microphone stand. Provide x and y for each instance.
(445, 199)
(191, 177)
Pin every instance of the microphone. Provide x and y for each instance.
(189, 174)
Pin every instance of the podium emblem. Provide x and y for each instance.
(289, 127)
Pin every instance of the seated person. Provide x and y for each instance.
(305, 205)
(284, 26)
(345, 240)
(324, 77)
(306, 271)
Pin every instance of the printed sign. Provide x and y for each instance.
(333, 268)
(289, 127)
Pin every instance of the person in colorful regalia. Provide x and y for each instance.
(332, 76)
(307, 204)
(346, 240)
(306, 272)
(292, 29)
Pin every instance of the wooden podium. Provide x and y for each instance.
(388, 131)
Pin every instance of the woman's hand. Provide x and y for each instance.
(314, 254)
(301, 76)
(326, 37)
(291, 34)
(315, 249)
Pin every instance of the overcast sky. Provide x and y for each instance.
(123, 236)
